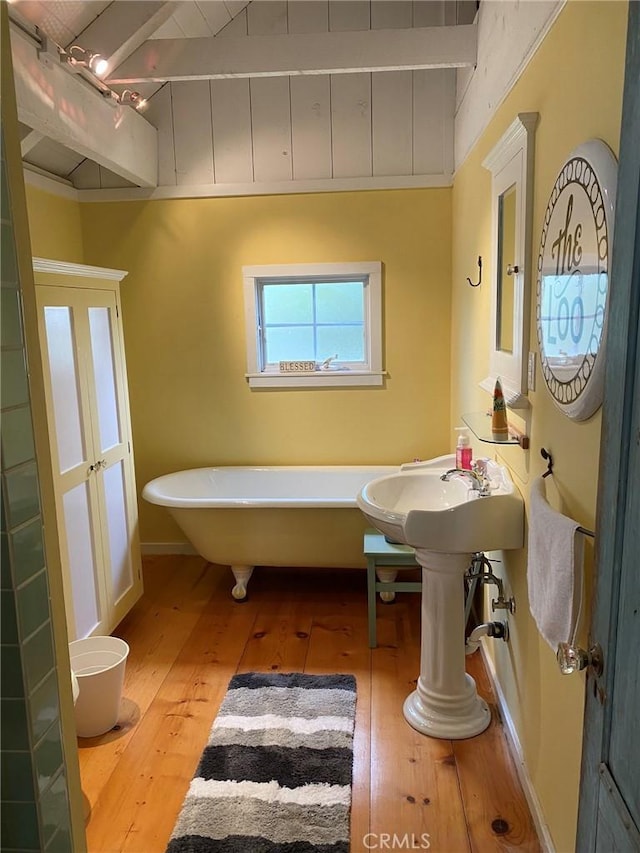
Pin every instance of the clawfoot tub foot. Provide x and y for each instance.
(387, 576)
(241, 575)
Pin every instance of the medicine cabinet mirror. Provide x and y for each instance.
(511, 167)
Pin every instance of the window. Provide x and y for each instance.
(313, 324)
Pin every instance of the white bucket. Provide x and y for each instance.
(98, 663)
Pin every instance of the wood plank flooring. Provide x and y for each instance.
(188, 637)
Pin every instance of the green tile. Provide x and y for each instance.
(8, 255)
(54, 807)
(28, 551)
(37, 657)
(17, 437)
(5, 208)
(9, 625)
(48, 755)
(5, 562)
(44, 706)
(33, 604)
(17, 777)
(10, 318)
(22, 494)
(15, 390)
(11, 682)
(13, 724)
(20, 827)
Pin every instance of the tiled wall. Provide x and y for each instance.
(35, 807)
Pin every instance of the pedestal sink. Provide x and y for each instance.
(445, 522)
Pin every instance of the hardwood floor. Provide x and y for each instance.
(188, 638)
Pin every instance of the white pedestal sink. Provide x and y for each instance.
(446, 522)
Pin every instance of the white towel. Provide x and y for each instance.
(554, 569)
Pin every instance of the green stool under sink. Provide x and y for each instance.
(382, 554)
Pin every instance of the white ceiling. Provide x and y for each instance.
(118, 29)
(62, 21)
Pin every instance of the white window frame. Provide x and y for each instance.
(369, 271)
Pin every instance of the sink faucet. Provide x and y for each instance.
(479, 481)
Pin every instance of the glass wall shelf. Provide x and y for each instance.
(480, 425)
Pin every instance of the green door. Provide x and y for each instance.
(609, 818)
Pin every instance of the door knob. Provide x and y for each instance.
(572, 659)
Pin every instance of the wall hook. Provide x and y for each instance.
(471, 284)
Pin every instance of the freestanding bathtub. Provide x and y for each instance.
(272, 516)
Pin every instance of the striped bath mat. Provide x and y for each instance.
(275, 776)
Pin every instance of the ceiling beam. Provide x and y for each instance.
(123, 27)
(29, 142)
(64, 108)
(302, 53)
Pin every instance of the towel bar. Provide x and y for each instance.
(546, 455)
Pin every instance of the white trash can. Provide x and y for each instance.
(98, 663)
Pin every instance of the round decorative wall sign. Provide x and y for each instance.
(573, 279)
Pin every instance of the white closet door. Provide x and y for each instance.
(79, 525)
(94, 481)
(116, 487)
(104, 375)
(65, 387)
(73, 455)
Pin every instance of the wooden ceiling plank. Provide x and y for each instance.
(215, 13)
(169, 30)
(77, 15)
(234, 7)
(191, 20)
(300, 53)
(61, 107)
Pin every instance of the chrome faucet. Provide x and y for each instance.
(479, 481)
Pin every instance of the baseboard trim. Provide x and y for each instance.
(515, 748)
(167, 548)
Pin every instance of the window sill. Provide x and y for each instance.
(319, 379)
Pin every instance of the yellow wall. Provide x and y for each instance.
(184, 329)
(575, 83)
(54, 222)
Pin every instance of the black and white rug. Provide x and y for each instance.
(275, 776)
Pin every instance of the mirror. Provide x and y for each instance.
(511, 167)
(505, 272)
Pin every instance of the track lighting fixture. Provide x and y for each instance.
(90, 66)
(125, 98)
(78, 57)
(133, 99)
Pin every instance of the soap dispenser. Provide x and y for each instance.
(463, 449)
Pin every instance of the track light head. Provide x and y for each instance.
(98, 64)
(133, 99)
(77, 57)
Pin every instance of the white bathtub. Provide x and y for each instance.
(272, 516)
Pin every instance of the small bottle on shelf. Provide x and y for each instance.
(464, 452)
(499, 426)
